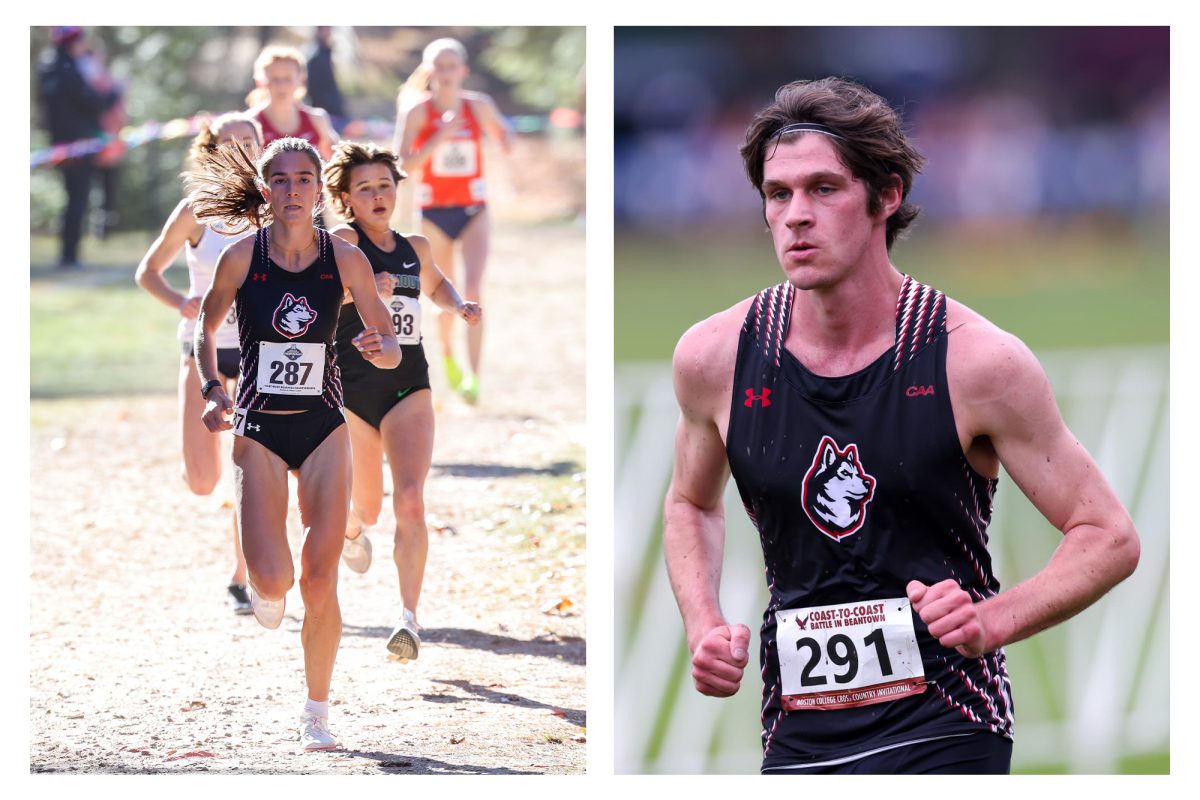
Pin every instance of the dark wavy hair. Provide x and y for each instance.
(226, 184)
(869, 139)
(348, 155)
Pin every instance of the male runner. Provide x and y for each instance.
(864, 417)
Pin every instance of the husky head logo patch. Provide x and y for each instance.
(293, 316)
(837, 489)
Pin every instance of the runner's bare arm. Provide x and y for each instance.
(492, 120)
(349, 234)
(1001, 392)
(328, 137)
(180, 228)
(377, 342)
(694, 516)
(438, 288)
(232, 266)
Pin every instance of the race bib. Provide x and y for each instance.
(454, 159)
(290, 367)
(406, 318)
(853, 654)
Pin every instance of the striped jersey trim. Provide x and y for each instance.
(920, 316)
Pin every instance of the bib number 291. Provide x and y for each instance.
(841, 652)
(847, 655)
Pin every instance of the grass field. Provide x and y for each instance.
(94, 331)
(1082, 286)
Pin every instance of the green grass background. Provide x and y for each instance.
(1083, 285)
(94, 331)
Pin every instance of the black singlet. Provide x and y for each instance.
(358, 373)
(857, 485)
(293, 308)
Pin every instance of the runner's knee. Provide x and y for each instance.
(408, 502)
(200, 482)
(318, 587)
(272, 582)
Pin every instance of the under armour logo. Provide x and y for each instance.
(252, 426)
(259, 276)
(762, 398)
(918, 391)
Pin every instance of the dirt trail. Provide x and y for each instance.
(138, 665)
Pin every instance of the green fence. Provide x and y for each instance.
(1091, 695)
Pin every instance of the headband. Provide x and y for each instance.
(802, 127)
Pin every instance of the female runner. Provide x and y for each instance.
(275, 101)
(441, 128)
(389, 411)
(288, 280)
(201, 246)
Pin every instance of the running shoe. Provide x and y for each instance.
(314, 733)
(405, 640)
(241, 600)
(269, 613)
(470, 389)
(356, 552)
(454, 373)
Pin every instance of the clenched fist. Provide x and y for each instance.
(719, 660)
(952, 617)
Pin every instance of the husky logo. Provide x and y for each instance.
(837, 490)
(293, 316)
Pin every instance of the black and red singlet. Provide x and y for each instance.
(857, 485)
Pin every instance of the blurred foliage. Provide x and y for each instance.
(174, 72)
(545, 65)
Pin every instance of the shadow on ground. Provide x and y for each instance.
(570, 649)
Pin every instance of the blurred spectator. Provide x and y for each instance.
(72, 111)
(323, 91)
(93, 67)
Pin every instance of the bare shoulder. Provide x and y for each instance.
(345, 232)
(983, 361)
(478, 97)
(343, 249)
(241, 250)
(313, 111)
(704, 360)
(419, 243)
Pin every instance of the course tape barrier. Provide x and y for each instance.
(132, 136)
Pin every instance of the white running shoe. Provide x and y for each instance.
(357, 552)
(405, 640)
(314, 733)
(269, 613)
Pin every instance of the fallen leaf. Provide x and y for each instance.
(192, 705)
(553, 739)
(557, 605)
(458, 739)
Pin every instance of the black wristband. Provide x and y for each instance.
(208, 387)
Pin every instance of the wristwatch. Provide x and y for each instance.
(208, 387)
